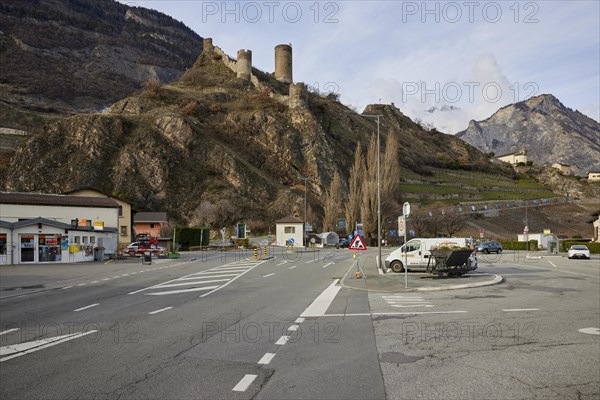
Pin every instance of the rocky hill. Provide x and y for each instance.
(551, 132)
(75, 55)
(211, 142)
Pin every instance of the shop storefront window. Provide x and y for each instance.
(49, 248)
(3, 244)
(27, 248)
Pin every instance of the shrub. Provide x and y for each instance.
(514, 245)
(594, 247)
(189, 237)
(189, 108)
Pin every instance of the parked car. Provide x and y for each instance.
(344, 243)
(490, 247)
(579, 251)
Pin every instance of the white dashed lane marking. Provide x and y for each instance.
(245, 383)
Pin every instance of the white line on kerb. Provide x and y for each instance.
(520, 309)
(86, 307)
(161, 310)
(267, 358)
(245, 383)
(9, 331)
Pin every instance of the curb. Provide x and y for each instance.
(497, 280)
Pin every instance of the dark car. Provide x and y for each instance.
(490, 247)
(344, 243)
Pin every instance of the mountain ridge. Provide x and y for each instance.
(551, 133)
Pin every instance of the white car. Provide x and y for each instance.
(579, 251)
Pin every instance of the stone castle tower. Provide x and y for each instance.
(283, 63)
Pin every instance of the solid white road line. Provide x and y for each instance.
(191, 283)
(520, 309)
(161, 310)
(268, 275)
(9, 331)
(590, 331)
(393, 313)
(208, 273)
(86, 307)
(282, 340)
(207, 277)
(181, 291)
(561, 270)
(299, 320)
(327, 265)
(551, 263)
(245, 383)
(267, 358)
(320, 305)
(22, 349)
(412, 305)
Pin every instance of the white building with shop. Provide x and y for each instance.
(43, 228)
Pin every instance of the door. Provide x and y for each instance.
(27, 248)
(413, 253)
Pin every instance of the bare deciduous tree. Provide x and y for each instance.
(333, 200)
(453, 222)
(353, 204)
(368, 199)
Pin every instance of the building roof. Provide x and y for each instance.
(150, 217)
(290, 219)
(90, 188)
(56, 200)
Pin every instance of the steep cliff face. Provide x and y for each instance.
(59, 55)
(551, 132)
(211, 138)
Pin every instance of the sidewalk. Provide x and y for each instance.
(417, 281)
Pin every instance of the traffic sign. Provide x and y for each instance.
(291, 240)
(401, 226)
(357, 244)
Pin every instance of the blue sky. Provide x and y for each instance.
(474, 55)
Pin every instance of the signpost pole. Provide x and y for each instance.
(405, 213)
(405, 255)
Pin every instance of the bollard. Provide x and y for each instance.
(265, 251)
(255, 253)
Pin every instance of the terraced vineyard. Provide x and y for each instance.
(456, 186)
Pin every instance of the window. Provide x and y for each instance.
(92, 239)
(290, 229)
(123, 230)
(84, 239)
(151, 226)
(120, 211)
(77, 239)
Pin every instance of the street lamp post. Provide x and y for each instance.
(304, 223)
(379, 265)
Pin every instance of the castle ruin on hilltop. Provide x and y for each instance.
(242, 67)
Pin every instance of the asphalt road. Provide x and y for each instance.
(223, 326)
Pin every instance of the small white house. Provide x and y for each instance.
(545, 240)
(597, 229)
(515, 158)
(289, 232)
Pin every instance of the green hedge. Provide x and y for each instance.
(188, 237)
(594, 247)
(514, 245)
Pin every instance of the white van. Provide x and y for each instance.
(417, 253)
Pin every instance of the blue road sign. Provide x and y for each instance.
(292, 240)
